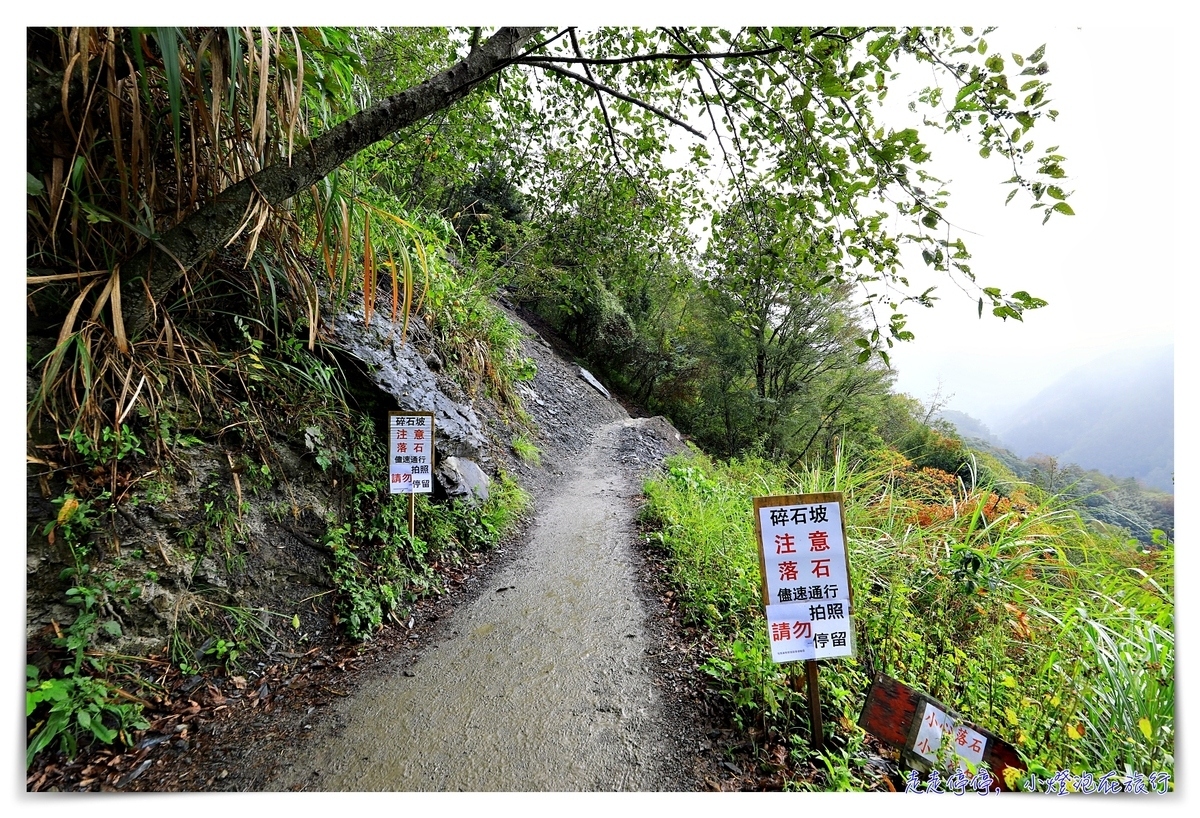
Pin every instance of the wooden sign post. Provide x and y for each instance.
(410, 458)
(806, 585)
(918, 724)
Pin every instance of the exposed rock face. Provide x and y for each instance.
(463, 478)
(401, 371)
(590, 378)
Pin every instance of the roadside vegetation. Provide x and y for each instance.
(239, 349)
(994, 597)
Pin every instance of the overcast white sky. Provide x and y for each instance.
(1107, 272)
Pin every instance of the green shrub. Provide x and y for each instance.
(74, 709)
(1023, 619)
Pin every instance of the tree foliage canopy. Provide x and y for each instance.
(153, 150)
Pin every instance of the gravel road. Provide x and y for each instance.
(541, 683)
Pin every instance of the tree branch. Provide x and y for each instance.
(612, 137)
(686, 56)
(151, 272)
(614, 92)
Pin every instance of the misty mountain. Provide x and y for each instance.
(1115, 414)
(969, 427)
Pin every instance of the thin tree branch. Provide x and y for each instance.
(619, 95)
(612, 139)
(655, 57)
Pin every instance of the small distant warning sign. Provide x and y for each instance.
(929, 735)
(410, 452)
(806, 576)
(937, 725)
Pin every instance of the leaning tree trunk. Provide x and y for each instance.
(152, 271)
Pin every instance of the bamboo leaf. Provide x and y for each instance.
(368, 272)
(168, 46)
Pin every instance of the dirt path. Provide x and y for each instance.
(541, 683)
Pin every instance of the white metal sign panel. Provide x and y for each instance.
(410, 452)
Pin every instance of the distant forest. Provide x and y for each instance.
(1105, 500)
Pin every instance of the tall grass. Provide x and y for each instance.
(1014, 613)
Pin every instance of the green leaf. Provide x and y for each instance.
(963, 94)
(832, 86)
(168, 45)
(1064, 208)
(33, 185)
(103, 733)
(77, 171)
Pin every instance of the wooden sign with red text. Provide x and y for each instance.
(917, 724)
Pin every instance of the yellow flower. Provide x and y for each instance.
(68, 510)
(1011, 776)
